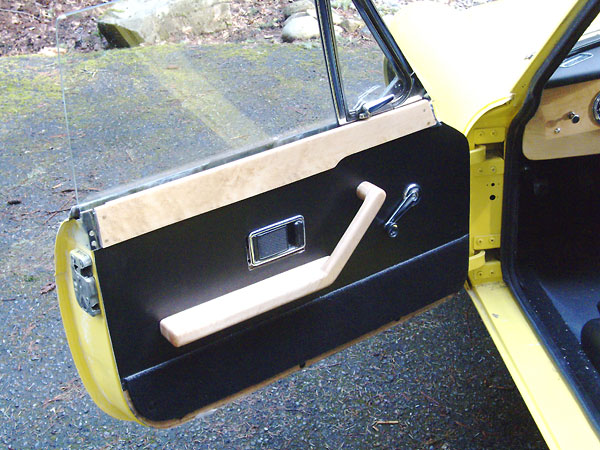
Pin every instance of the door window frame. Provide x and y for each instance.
(386, 43)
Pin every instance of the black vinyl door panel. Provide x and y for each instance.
(155, 275)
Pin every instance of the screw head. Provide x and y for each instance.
(392, 230)
(574, 117)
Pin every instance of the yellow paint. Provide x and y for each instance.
(555, 409)
(487, 182)
(490, 241)
(593, 30)
(476, 261)
(491, 270)
(88, 336)
(488, 135)
(488, 53)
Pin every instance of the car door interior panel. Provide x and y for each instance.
(192, 262)
(262, 219)
(168, 203)
(206, 376)
(250, 256)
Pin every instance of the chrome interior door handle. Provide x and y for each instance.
(412, 195)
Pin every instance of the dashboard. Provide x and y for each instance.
(567, 122)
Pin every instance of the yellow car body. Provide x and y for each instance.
(490, 72)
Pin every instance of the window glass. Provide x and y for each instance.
(159, 92)
(367, 77)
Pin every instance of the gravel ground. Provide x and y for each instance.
(434, 382)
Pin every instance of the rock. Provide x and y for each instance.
(293, 16)
(342, 4)
(303, 27)
(311, 13)
(337, 19)
(366, 32)
(298, 6)
(132, 22)
(351, 25)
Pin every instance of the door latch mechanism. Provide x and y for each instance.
(84, 282)
(412, 195)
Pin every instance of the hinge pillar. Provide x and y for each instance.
(487, 181)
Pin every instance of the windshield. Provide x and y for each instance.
(593, 31)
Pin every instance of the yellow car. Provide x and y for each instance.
(258, 225)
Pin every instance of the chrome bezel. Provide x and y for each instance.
(254, 262)
(596, 108)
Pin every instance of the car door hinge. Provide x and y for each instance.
(484, 268)
(487, 241)
(90, 224)
(488, 135)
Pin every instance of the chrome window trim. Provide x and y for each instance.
(330, 53)
(386, 43)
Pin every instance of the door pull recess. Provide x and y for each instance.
(276, 241)
(412, 195)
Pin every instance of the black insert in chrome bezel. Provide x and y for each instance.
(596, 108)
(296, 245)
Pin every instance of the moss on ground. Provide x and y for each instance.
(27, 84)
(140, 111)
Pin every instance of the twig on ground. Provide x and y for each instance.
(47, 288)
(53, 214)
(14, 11)
(431, 399)
(502, 388)
(387, 422)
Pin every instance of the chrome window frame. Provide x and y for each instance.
(386, 43)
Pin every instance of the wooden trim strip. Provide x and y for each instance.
(160, 206)
(217, 314)
(551, 134)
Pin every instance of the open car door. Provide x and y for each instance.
(185, 289)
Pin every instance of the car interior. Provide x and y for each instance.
(553, 245)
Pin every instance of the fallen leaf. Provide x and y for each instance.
(48, 288)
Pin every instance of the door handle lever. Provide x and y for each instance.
(412, 195)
